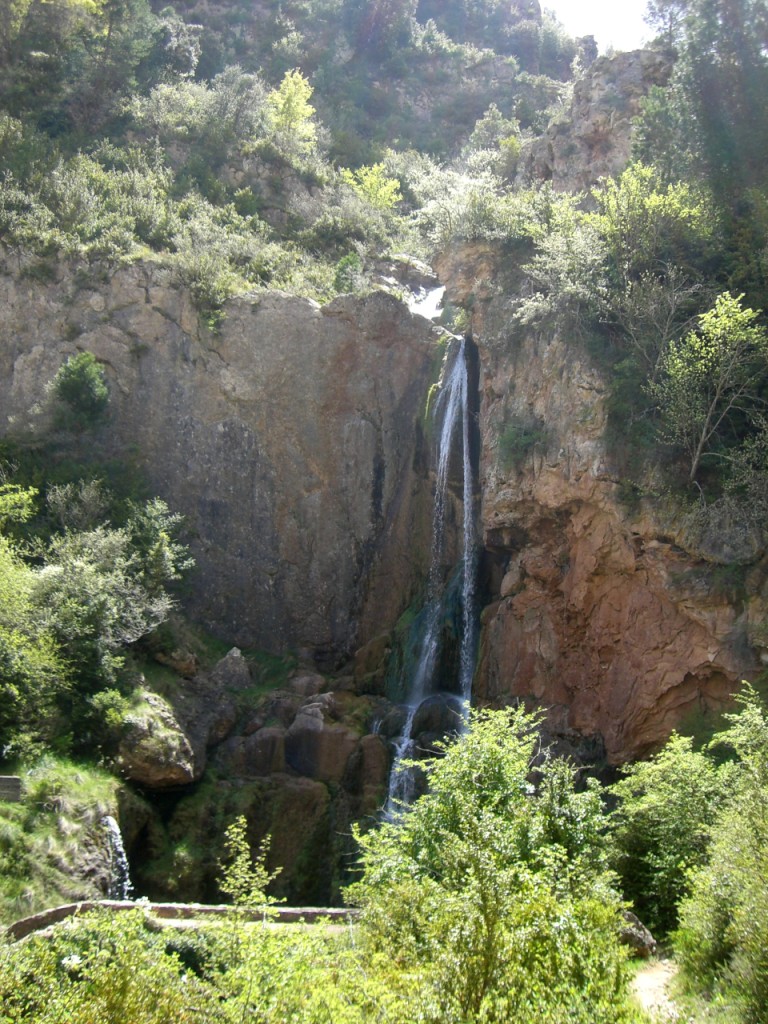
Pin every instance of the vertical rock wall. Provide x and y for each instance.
(290, 440)
(603, 614)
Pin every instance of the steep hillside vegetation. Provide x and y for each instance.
(218, 427)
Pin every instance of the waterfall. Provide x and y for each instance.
(120, 882)
(452, 412)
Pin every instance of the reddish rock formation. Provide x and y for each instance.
(604, 615)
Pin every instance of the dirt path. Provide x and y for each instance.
(651, 986)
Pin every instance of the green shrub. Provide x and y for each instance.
(490, 893)
(101, 968)
(662, 825)
(80, 386)
(519, 439)
(348, 273)
(722, 940)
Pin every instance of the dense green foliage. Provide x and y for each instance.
(488, 902)
(662, 827)
(127, 131)
(494, 889)
(82, 389)
(71, 601)
(298, 148)
(690, 843)
(722, 940)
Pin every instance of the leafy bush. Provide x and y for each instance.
(372, 184)
(348, 275)
(245, 877)
(568, 273)
(491, 894)
(519, 439)
(722, 941)
(662, 825)
(101, 968)
(644, 222)
(711, 378)
(81, 386)
(228, 115)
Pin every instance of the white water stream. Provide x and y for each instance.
(452, 411)
(427, 302)
(120, 883)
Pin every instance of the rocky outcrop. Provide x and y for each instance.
(592, 138)
(604, 614)
(167, 738)
(300, 761)
(290, 440)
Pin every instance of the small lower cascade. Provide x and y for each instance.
(452, 412)
(120, 887)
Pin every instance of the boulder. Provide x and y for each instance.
(168, 738)
(318, 748)
(155, 752)
(635, 935)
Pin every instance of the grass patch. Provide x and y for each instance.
(53, 845)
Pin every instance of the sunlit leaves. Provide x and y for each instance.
(722, 941)
(662, 826)
(290, 114)
(372, 184)
(644, 222)
(711, 376)
(491, 889)
(245, 877)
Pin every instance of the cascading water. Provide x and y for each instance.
(120, 882)
(452, 411)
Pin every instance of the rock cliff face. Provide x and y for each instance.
(291, 441)
(593, 136)
(602, 614)
(288, 439)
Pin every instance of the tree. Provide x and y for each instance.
(290, 114)
(725, 69)
(491, 892)
(123, 37)
(668, 16)
(652, 309)
(716, 112)
(380, 26)
(104, 588)
(32, 670)
(372, 184)
(662, 137)
(245, 877)
(81, 388)
(710, 378)
(722, 941)
(646, 224)
(662, 827)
